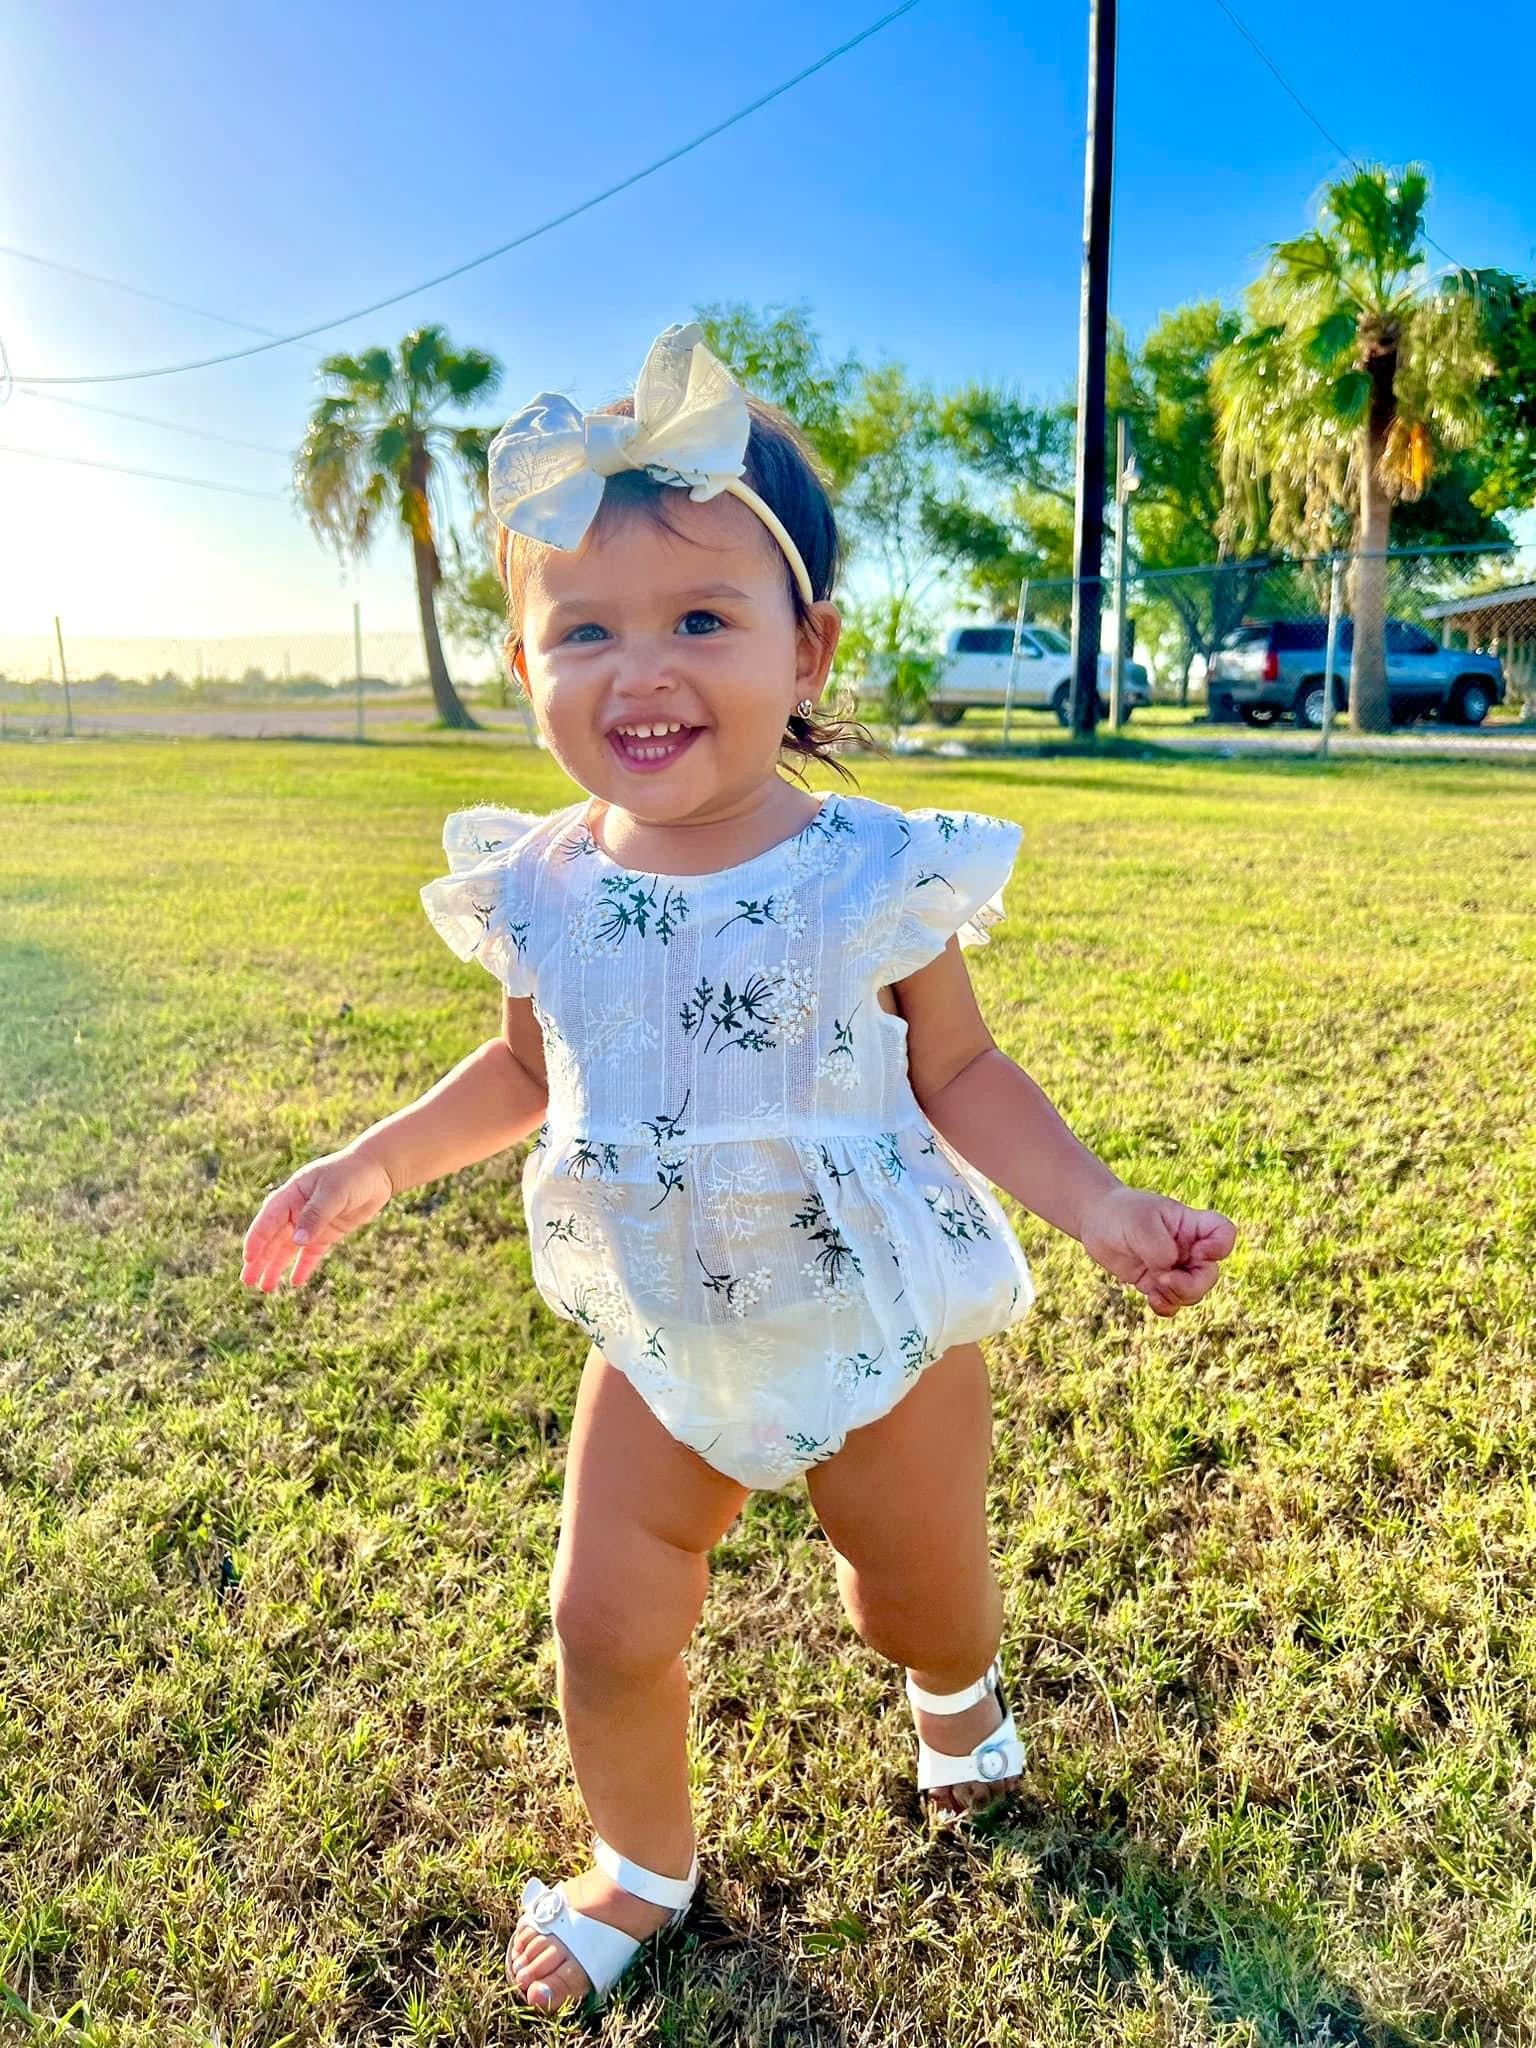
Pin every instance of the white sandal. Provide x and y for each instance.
(997, 1756)
(604, 1952)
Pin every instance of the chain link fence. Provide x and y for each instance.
(1226, 643)
(1240, 642)
(348, 683)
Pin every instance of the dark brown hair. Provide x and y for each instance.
(781, 468)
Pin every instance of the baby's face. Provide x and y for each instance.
(696, 628)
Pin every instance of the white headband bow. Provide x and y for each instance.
(549, 462)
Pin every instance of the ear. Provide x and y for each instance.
(517, 663)
(820, 631)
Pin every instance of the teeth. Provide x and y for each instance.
(649, 732)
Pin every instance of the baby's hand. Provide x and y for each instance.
(1173, 1254)
(312, 1210)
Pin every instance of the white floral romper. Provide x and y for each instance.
(735, 1192)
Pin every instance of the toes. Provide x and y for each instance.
(539, 1954)
(562, 1985)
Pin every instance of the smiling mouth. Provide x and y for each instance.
(651, 749)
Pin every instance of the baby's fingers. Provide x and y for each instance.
(269, 1241)
(1181, 1287)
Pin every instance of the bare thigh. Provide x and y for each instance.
(639, 1515)
(904, 1502)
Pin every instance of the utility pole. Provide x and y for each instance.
(69, 709)
(1088, 528)
(357, 660)
(1127, 479)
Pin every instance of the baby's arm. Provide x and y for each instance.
(1002, 1122)
(495, 1096)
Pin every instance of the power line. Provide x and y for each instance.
(136, 291)
(158, 476)
(143, 420)
(1331, 139)
(517, 242)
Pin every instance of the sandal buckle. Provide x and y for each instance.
(546, 1908)
(992, 1761)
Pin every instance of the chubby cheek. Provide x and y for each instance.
(568, 710)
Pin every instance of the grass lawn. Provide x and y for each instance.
(277, 1736)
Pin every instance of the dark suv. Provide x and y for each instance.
(1264, 672)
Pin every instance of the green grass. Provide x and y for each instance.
(278, 1746)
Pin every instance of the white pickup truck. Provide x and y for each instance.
(976, 664)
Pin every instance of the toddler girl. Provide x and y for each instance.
(766, 1113)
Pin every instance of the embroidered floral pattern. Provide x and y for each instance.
(916, 1352)
(626, 903)
(731, 1155)
(584, 1157)
(836, 1265)
(959, 1216)
(853, 1368)
(838, 1063)
(779, 907)
(888, 1156)
(666, 1135)
(740, 1291)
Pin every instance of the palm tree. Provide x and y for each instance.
(375, 439)
(1357, 372)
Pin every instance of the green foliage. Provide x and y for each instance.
(1508, 444)
(778, 355)
(1353, 362)
(877, 434)
(377, 440)
(886, 655)
(376, 435)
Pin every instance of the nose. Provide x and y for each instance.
(643, 678)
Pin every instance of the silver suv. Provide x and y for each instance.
(1271, 671)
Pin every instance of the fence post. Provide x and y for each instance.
(1013, 665)
(357, 661)
(69, 711)
(1335, 578)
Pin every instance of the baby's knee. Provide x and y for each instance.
(608, 1625)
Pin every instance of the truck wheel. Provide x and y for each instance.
(1309, 703)
(947, 714)
(1061, 704)
(1471, 701)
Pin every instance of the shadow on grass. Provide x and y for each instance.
(44, 993)
(1253, 1964)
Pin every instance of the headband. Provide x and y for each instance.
(549, 462)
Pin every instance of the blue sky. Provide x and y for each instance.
(280, 164)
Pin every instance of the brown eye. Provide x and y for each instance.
(695, 624)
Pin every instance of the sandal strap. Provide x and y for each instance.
(998, 1755)
(604, 1952)
(954, 1702)
(649, 1885)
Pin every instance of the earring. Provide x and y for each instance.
(805, 707)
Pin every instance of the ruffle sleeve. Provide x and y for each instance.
(955, 864)
(480, 907)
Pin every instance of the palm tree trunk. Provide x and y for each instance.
(1370, 704)
(450, 708)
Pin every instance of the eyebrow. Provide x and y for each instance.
(700, 591)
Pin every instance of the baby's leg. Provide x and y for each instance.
(904, 1505)
(639, 1517)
